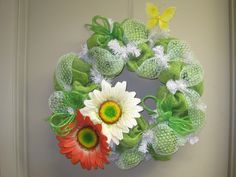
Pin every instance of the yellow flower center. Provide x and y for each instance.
(87, 137)
(110, 112)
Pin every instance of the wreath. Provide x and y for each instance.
(97, 122)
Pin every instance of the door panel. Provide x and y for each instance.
(56, 27)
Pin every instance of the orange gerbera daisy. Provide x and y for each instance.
(85, 144)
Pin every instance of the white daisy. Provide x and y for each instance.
(115, 108)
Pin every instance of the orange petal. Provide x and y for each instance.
(75, 159)
(69, 156)
(66, 150)
(70, 144)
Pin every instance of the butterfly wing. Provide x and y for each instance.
(166, 17)
(155, 17)
(163, 25)
(152, 10)
(152, 23)
(168, 14)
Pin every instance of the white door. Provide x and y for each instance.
(55, 27)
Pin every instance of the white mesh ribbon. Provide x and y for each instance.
(134, 31)
(179, 49)
(190, 75)
(152, 67)
(165, 141)
(63, 71)
(105, 62)
(176, 51)
(58, 102)
(197, 117)
(130, 158)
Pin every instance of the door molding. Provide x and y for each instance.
(21, 90)
(232, 141)
(13, 129)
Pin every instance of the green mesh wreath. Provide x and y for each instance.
(97, 122)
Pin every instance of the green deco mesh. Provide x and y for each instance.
(192, 74)
(58, 102)
(165, 140)
(134, 31)
(179, 49)
(197, 117)
(150, 68)
(64, 71)
(106, 63)
(192, 97)
(176, 51)
(130, 158)
(63, 104)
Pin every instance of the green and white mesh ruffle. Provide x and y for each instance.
(180, 49)
(63, 106)
(197, 117)
(106, 63)
(134, 32)
(130, 158)
(150, 68)
(191, 75)
(63, 71)
(176, 51)
(59, 102)
(165, 140)
(63, 113)
(62, 101)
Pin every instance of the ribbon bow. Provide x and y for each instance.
(101, 25)
(183, 126)
(190, 76)
(174, 86)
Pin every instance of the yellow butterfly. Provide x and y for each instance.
(155, 18)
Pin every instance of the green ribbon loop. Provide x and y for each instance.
(183, 126)
(158, 112)
(117, 31)
(100, 25)
(149, 110)
(62, 123)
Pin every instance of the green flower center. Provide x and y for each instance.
(110, 112)
(87, 137)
